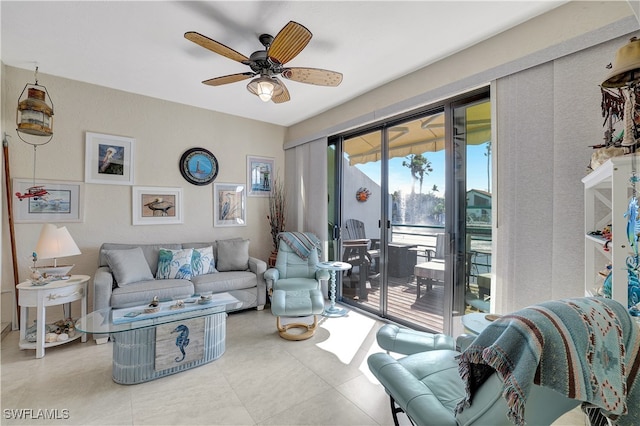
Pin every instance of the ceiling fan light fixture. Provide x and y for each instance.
(264, 87)
(268, 63)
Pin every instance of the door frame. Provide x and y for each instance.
(454, 262)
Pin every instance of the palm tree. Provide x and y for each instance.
(419, 165)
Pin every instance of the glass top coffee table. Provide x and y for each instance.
(177, 337)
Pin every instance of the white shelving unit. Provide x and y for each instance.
(607, 191)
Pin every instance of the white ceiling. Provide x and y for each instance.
(139, 47)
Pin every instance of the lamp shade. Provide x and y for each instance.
(55, 242)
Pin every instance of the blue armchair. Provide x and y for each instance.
(294, 284)
(530, 367)
(427, 387)
(292, 272)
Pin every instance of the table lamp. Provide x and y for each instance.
(54, 243)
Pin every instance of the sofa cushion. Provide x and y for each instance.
(174, 264)
(202, 261)
(233, 255)
(150, 252)
(128, 266)
(231, 280)
(143, 292)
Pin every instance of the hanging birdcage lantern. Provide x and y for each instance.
(34, 115)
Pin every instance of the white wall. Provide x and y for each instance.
(163, 131)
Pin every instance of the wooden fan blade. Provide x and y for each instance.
(226, 79)
(214, 46)
(283, 96)
(315, 76)
(289, 42)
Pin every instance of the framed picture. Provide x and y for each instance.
(47, 201)
(153, 205)
(229, 204)
(259, 175)
(198, 166)
(108, 159)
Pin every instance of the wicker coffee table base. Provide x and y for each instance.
(134, 351)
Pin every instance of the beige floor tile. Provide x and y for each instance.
(370, 397)
(327, 408)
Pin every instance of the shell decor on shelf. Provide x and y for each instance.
(362, 194)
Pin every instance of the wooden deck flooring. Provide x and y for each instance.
(427, 312)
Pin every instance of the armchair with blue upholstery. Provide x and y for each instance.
(530, 366)
(427, 387)
(294, 283)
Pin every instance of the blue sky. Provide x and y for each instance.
(400, 177)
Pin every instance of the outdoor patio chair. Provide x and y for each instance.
(362, 253)
(432, 271)
(354, 230)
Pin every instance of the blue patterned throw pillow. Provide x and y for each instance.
(203, 262)
(174, 264)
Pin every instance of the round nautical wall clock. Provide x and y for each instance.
(198, 166)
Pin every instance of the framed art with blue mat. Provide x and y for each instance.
(260, 175)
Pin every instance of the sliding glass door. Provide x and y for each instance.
(400, 212)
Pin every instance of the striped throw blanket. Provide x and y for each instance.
(585, 348)
(302, 243)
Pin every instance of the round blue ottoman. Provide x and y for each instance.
(297, 303)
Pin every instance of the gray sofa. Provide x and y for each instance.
(128, 275)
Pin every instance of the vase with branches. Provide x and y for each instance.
(277, 213)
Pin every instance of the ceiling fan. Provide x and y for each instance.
(269, 63)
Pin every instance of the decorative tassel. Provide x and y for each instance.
(629, 125)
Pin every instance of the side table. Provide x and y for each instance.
(476, 322)
(332, 267)
(40, 297)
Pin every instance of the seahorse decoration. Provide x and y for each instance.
(633, 224)
(633, 261)
(182, 341)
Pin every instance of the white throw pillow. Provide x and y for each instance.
(174, 264)
(202, 261)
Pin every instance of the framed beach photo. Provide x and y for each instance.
(229, 204)
(47, 201)
(153, 205)
(108, 159)
(260, 175)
